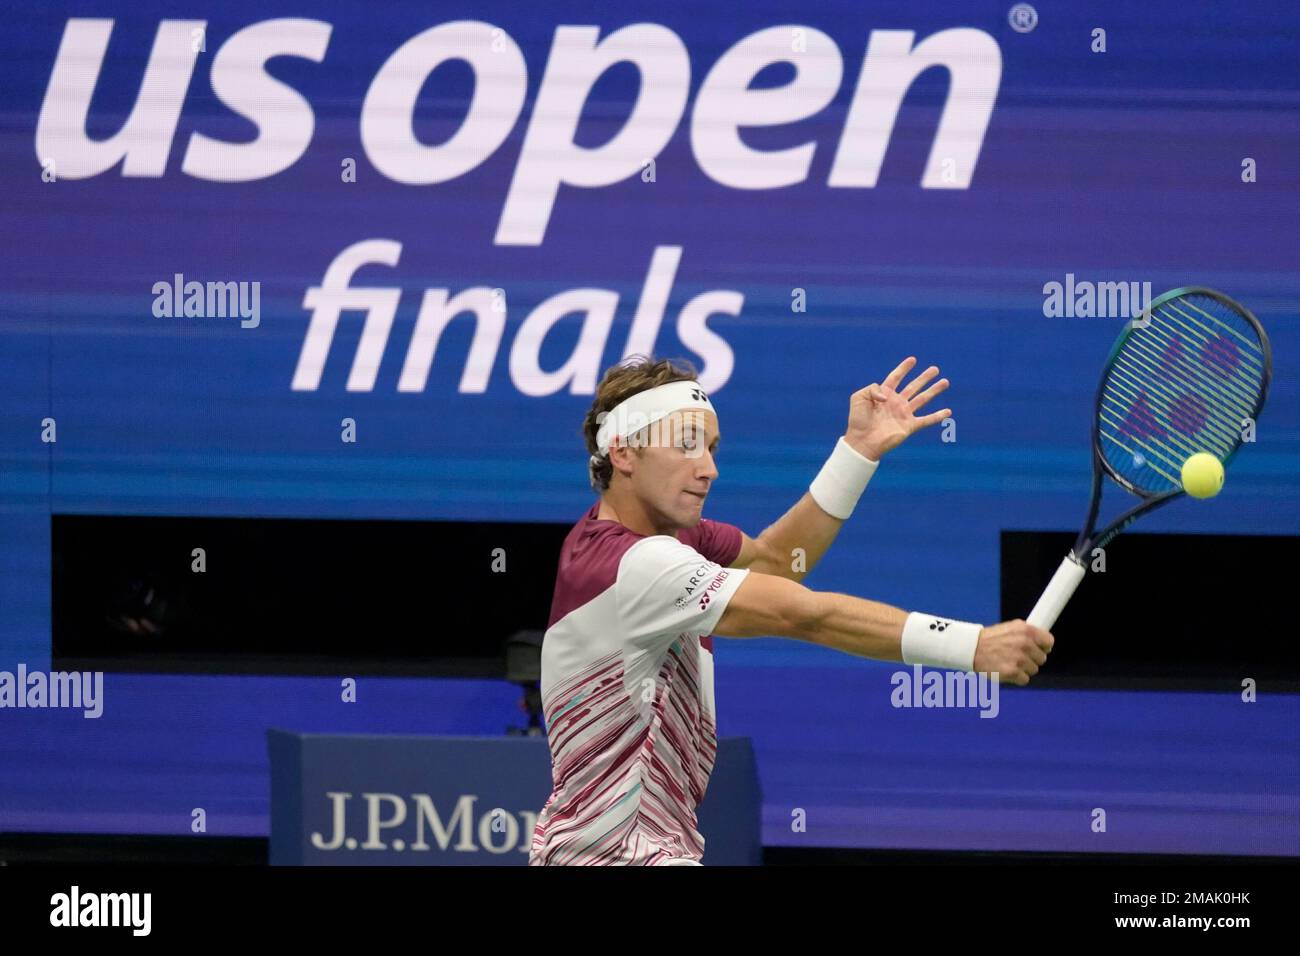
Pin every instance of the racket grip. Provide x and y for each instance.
(1058, 593)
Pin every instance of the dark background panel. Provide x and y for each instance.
(1170, 610)
(296, 595)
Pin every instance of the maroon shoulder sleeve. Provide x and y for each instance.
(716, 540)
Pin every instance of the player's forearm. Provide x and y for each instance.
(856, 626)
(796, 542)
(765, 604)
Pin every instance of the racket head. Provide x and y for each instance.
(1180, 379)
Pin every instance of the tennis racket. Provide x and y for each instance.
(1183, 377)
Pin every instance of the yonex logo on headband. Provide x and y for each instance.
(646, 408)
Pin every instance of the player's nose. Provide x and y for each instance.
(706, 467)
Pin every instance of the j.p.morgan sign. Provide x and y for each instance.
(356, 800)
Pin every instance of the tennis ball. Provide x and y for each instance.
(1202, 475)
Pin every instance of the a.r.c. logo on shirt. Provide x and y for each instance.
(691, 583)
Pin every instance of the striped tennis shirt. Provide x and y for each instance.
(627, 690)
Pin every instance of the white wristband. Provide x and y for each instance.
(843, 478)
(940, 642)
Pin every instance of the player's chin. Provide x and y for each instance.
(694, 509)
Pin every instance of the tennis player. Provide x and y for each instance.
(645, 580)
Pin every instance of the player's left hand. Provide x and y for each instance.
(882, 415)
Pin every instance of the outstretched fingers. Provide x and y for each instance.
(920, 400)
(896, 376)
(918, 383)
(933, 418)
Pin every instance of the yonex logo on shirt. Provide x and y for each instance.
(713, 586)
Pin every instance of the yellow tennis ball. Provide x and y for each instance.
(1202, 475)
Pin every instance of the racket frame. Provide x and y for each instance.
(1073, 568)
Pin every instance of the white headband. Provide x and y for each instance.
(645, 408)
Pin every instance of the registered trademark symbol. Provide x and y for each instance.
(1023, 18)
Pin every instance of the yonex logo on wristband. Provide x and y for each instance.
(939, 642)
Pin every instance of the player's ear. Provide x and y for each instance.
(620, 456)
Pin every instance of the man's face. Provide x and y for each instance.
(675, 470)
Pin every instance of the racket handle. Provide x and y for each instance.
(1058, 593)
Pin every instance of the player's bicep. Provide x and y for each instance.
(757, 556)
(750, 549)
(765, 605)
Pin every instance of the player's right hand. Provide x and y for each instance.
(1014, 650)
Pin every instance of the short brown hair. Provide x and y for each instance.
(636, 373)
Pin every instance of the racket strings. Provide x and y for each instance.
(1184, 382)
(1140, 454)
(1232, 325)
(1126, 393)
(1172, 352)
(1132, 379)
